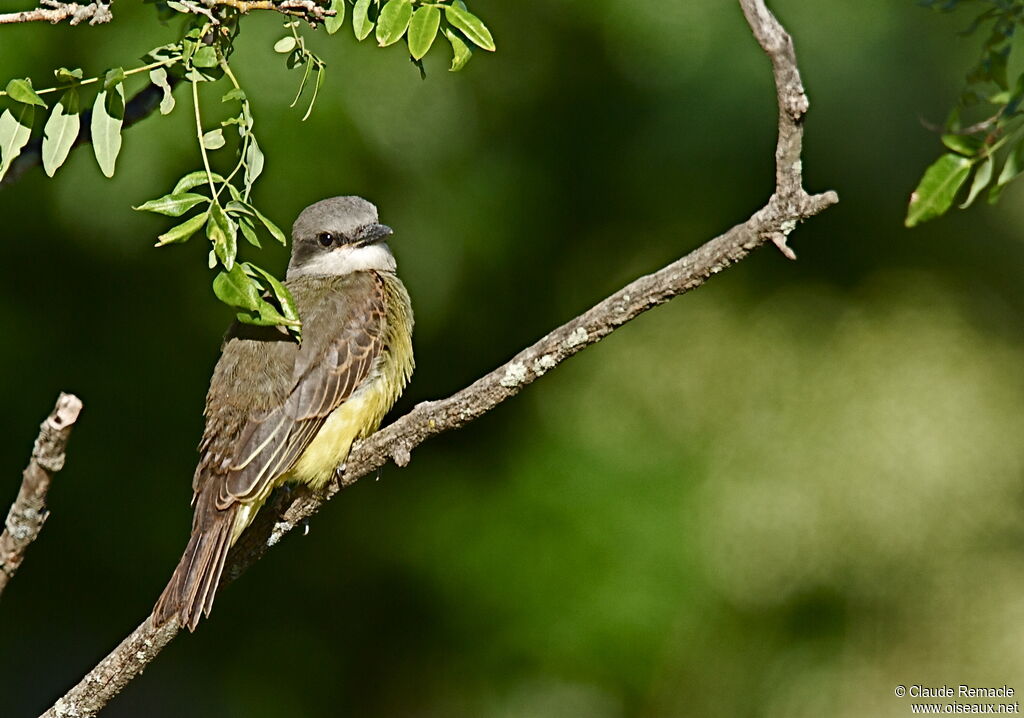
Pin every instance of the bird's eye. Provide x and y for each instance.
(326, 239)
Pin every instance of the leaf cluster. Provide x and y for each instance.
(419, 22)
(218, 203)
(984, 133)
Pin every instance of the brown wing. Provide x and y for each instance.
(343, 336)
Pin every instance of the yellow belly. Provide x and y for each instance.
(358, 417)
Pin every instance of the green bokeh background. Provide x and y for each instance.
(782, 495)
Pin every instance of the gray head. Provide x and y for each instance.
(337, 236)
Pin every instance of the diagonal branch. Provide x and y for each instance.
(788, 205)
(96, 12)
(28, 512)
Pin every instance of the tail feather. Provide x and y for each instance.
(208, 589)
(190, 592)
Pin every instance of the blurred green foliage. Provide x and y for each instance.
(782, 495)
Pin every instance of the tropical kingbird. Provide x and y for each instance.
(278, 411)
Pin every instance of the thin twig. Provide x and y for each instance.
(306, 9)
(772, 223)
(96, 13)
(198, 9)
(28, 512)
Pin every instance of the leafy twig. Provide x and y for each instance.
(99, 78)
(138, 108)
(143, 103)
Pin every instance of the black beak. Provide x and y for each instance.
(373, 233)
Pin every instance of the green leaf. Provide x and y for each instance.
(107, 118)
(237, 289)
(254, 162)
(1011, 170)
(21, 90)
(214, 139)
(266, 315)
(361, 23)
(158, 76)
(302, 83)
(423, 29)
(164, 52)
(964, 144)
(61, 131)
(1014, 165)
(981, 179)
(460, 51)
(953, 120)
(239, 207)
(285, 45)
(334, 23)
(183, 231)
(240, 288)
(113, 78)
(14, 134)
(205, 57)
(937, 188)
(193, 180)
(471, 26)
(316, 90)
(274, 230)
(63, 74)
(247, 119)
(1015, 98)
(205, 75)
(172, 205)
(223, 234)
(280, 292)
(249, 232)
(393, 21)
(235, 93)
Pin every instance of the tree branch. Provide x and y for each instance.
(28, 512)
(772, 223)
(308, 10)
(141, 106)
(96, 12)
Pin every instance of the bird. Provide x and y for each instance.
(280, 412)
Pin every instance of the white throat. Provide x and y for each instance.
(345, 260)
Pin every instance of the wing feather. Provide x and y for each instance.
(344, 337)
